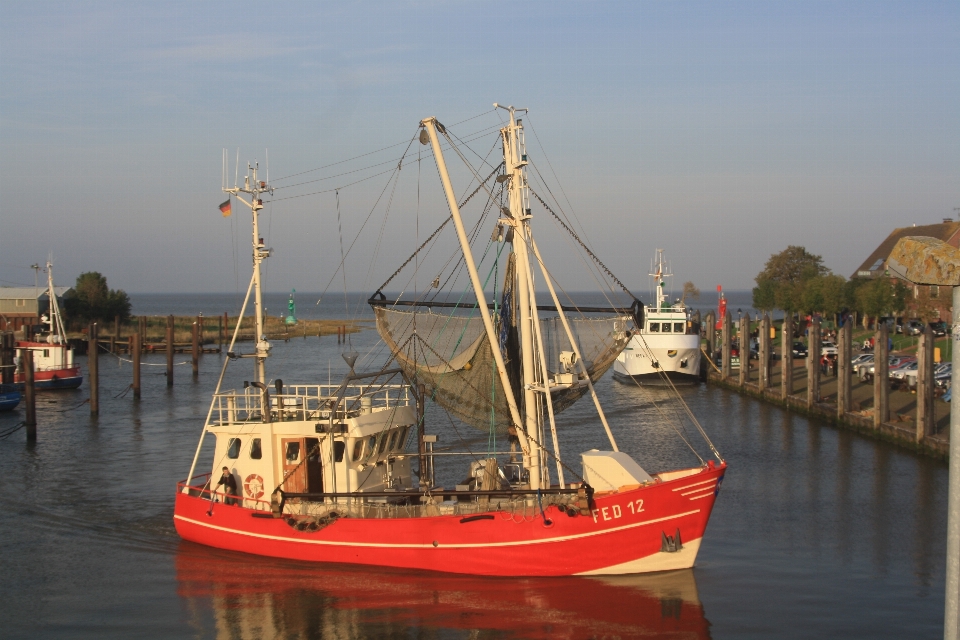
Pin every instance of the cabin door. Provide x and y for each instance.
(302, 466)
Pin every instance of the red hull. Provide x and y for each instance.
(255, 598)
(624, 534)
(69, 378)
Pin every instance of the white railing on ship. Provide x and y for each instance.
(307, 402)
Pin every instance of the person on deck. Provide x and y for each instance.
(229, 486)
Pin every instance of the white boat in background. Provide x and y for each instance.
(666, 346)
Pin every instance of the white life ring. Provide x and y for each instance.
(253, 486)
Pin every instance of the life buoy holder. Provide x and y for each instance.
(253, 486)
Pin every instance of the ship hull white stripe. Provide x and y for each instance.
(700, 490)
(695, 484)
(430, 545)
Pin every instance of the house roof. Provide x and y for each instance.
(29, 293)
(948, 232)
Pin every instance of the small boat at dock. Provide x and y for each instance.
(9, 397)
(53, 357)
(665, 348)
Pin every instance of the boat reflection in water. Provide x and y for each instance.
(254, 597)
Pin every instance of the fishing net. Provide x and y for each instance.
(452, 357)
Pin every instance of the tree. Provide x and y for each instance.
(765, 295)
(92, 300)
(882, 296)
(824, 294)
(781, 283)
(689, 289)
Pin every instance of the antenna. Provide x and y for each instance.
(236, 176)
(267, 153)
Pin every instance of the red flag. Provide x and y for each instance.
(225, 208)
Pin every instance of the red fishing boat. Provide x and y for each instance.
(53, 358)
(325, 472)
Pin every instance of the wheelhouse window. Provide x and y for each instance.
(357, 450)
(256, 451)
(665, 328)
(293, 452)
(371, 451)
(338, 448)
(391, 439)
(402, 438)
(678, 327)
(654, 327)
(383, 443)
(233, 448)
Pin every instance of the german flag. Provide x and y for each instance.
(225, 208)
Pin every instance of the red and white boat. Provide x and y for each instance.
(324, 472)
(53, 358)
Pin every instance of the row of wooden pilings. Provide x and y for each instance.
(93, 367)
(925, 420)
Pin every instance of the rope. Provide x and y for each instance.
(585, 247)
(9, 432)
(439, 229)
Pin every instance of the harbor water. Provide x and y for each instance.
(816, 532)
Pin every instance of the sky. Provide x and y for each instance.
(721, 132)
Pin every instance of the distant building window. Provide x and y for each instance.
(916, 292)
(934, 291)
(21, 302)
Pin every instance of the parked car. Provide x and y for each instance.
(799, 350)
(900, 372)
(892, 361)
(828, 349)
(860, 359)
(939, 328)
(913, 328)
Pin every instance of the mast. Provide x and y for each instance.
(659, 281)
(518, 216)
(254, 188)
(57, 333)
(430, 125)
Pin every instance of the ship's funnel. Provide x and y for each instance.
(350, 357)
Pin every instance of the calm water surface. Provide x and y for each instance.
(816, 533)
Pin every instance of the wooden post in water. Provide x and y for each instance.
(6, 358)
(135, 356)
(93, 364)
(925, 410)
(170, 351)
(29, 397)
(764, 351)
(786, 356)
(844, 390)
(813, 363)
(881, 370)
(711, 320)
(113, 344)
(196, 348)
(727, 329)
(744, 349)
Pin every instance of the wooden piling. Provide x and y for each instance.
(813, 363)
(727, 339)
(135, 351)
(925, 411)
(29, 397)
(196, 349)
(711, 333)
(170, 351)
(113, 344)
(744, 349)
(881, 379)
(6, 357)
(844, 372)
(93, 364)
(764, 351)
(786, 356)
